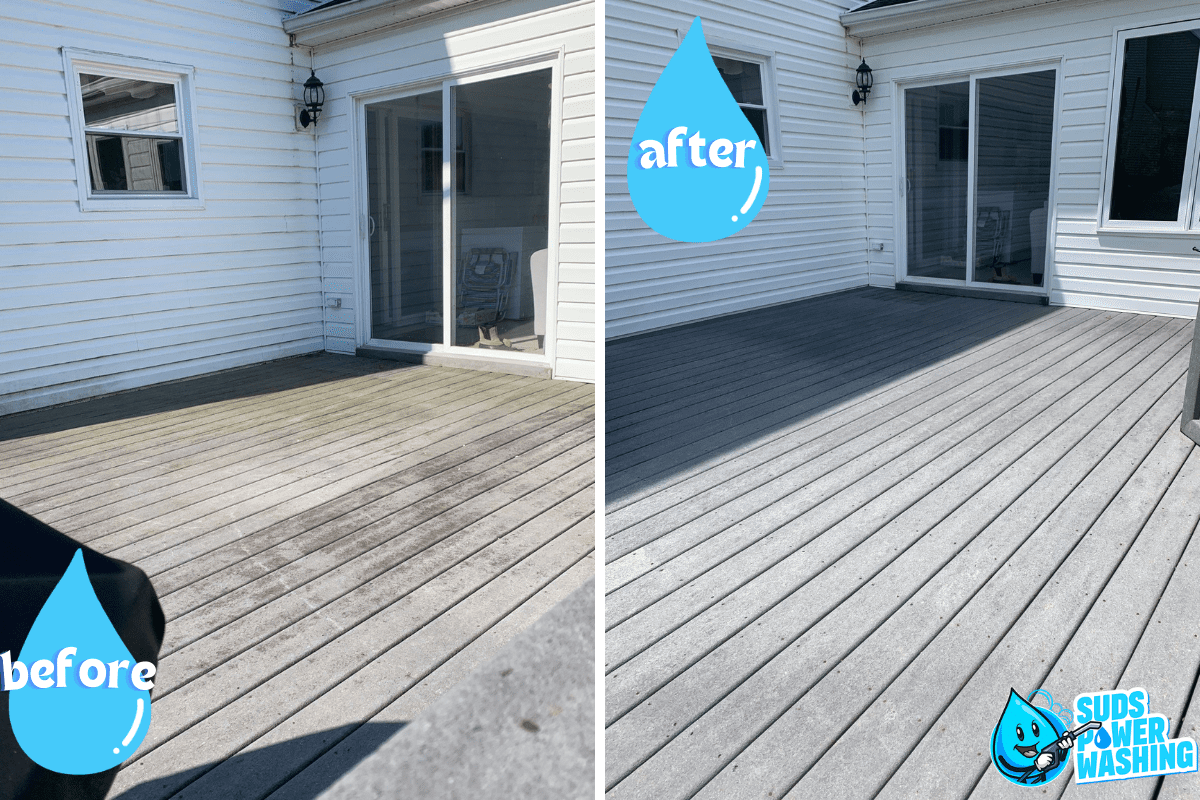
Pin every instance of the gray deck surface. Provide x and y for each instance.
(838, 532)
(335, 541)
(521, 726)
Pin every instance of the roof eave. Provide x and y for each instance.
(325, 25)
(924, 14)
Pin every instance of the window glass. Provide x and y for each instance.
(404, 234)
(431, 156)
(499, 285)
(128, 104)
(953, 119)
(744, 79)
(108, 162)
(1153, 120)
(132, 131)
(1015, 141)
(936, 180)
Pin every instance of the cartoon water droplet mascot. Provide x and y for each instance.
(1030, 745)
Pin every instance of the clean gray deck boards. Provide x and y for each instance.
(335, 542)
(837, 537)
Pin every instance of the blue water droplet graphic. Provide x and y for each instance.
(1014, 744)
(1103, 739)
(76, 729)
(679, 185)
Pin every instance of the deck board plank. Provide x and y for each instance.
(841, 422)
(919, 436)
(198, 450)
(697, 442)
(773, 568)
(336, 542)
(278, 465)
(762, 640)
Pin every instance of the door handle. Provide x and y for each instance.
(370, 226)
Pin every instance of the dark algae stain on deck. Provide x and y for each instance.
(335, 541)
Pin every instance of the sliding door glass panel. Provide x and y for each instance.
(937, 145)
(404, 179)
(1012, 177)
(1153, 121)
(502, 201)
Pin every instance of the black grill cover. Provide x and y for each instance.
(33, 557)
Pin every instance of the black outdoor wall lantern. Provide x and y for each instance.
(864, 82)
(314, 98)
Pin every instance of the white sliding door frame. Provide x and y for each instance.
(554, 61)
(900, 90)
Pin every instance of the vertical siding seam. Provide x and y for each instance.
(862, 133)
(316, 154)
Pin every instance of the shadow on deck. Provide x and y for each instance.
(234, 384)
(681, 397)
(840, 530)
(335, 542)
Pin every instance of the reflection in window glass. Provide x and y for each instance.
(501, 228)
(135, 163)
(127, 104)
(108, 162)
(431, 156)
(132, 130)
(1015, 120)
(744, 79)
(1152, 126)
(171, 160)
(935, 157)
(953, 120)
(405, 218)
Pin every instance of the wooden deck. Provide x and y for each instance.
(335, 541)
(839, 531)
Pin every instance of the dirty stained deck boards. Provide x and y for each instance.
(335, 542)
(838, 531)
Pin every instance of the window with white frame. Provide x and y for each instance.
(1151, 180)
(748, 79)
(134, 140)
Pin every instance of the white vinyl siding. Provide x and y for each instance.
(436, 48)
(1157, 274)
(93, 303)
(810, 237)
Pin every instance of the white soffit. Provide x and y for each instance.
(926, 13)
(325, 25)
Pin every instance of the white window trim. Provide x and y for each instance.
(1188, 222)
(724, 48)
(183, 79)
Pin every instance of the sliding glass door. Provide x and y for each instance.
(458, 200)
(404, 229)
(977, 161)
(935, 151)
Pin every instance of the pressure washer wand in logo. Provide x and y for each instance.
(1055, 753)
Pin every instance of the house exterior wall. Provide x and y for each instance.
(99, 301)
(1156, 274)
(435, 48)
(810, 236)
